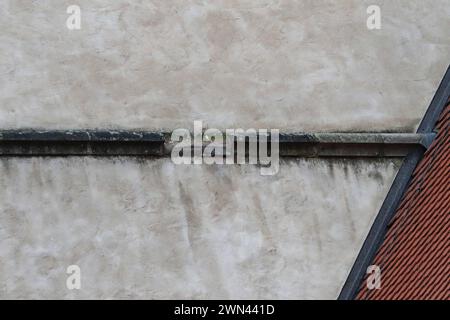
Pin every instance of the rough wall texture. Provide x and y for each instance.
(303, 65)
(151, 229)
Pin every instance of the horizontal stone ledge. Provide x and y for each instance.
(80, 135)
(352, 144)
(354, 138)
(153, 143)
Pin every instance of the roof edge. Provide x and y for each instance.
(437, 105)
(387, 211)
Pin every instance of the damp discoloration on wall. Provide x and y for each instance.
(151, 229)
(301, 65)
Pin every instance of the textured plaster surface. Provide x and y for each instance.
(301, 65)
(151, 229)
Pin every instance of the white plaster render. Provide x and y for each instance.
(302, 65)
(152, 229)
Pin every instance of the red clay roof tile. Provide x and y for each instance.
(415, 255)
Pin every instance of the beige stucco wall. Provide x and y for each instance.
(152, 229)
(301, 65)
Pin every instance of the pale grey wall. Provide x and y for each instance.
(151, 229)
(303, 65)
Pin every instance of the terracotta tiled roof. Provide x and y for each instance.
(414, 256)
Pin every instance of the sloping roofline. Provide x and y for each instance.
(378, 230)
